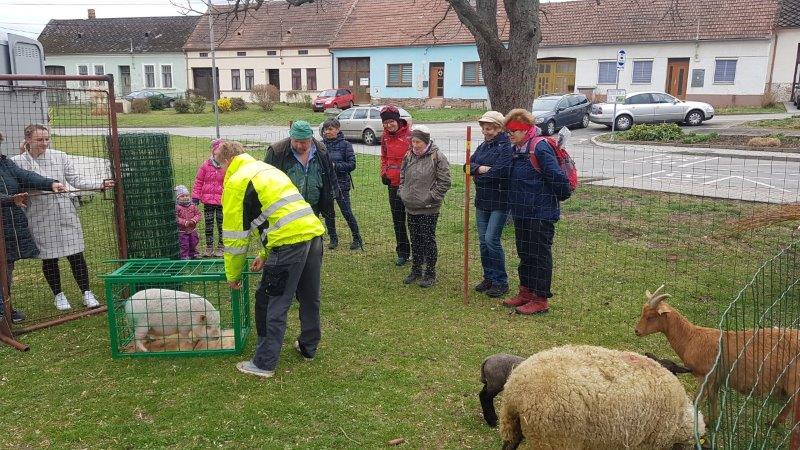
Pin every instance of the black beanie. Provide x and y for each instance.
(390, 113)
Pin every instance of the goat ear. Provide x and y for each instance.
(203, 318)
(663, 309)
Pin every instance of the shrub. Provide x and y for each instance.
(182, 106)
(660, 132)
(198, 105)
(265, 95)
(156, 103)
(298, 98)
(238, 104)
(769, 100)
(694, 138)
(224, 104)
(140, 106)
(764, 142)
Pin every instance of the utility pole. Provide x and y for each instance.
(213, 68)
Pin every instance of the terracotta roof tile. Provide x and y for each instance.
(274, 25)
(117, 35)
(381, 23)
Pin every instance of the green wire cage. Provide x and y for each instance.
(160, 307)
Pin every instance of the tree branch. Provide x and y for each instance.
(477, 25)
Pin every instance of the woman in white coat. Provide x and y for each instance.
(53, 219)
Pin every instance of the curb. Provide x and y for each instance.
(731, 153)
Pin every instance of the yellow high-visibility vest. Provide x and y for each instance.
(258, 198)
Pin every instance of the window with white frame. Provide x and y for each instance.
(83, 69)
(472, 74)
(725, 71)
(99, 69)
(249, 75)
(236, 81)
(607, 73)
(642, 72)
(149, 75)
(398, 75)
(166, 76)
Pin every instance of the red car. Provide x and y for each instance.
(333, 98)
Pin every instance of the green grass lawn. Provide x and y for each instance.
(791, 123)
(396, 361)
(733, 110)
(80, 116)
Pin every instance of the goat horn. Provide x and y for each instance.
(655, 298)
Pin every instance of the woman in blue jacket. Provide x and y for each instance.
(344, 161)
(490, 166)
(534, 197)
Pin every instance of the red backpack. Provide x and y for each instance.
(565, 161)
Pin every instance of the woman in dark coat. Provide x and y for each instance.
(19, 241)
(344, 161)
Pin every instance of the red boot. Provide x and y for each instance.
(524, 296)
(537, 306)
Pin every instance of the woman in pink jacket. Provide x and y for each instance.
(207, 189)
(187, 216)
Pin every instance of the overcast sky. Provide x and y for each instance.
(28, 17)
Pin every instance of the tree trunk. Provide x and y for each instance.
(509, 73)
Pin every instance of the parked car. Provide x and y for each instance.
(333, 98)
(144, 93)
(651, 107)
(554, 111)
(364, 123)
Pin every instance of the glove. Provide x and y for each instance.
(464, 168)
(196, 201)
(386, 181)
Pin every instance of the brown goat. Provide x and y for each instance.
(761, 362)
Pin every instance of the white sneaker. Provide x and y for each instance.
(61, 302)
(89, 300)
(251, 369)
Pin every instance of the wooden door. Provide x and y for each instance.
(436, 80)
(354, 75)
(125, 79)
(203, 82)
(677, 77)
(274, 78)
(796, 80)
(555, 76)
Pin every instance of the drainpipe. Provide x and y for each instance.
(772, 58)
(333, 71)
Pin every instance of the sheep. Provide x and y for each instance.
(162, 312)
(494, 372)
(761, 362)
(586, 397)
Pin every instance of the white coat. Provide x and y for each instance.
(53, 218)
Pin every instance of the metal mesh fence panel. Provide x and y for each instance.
(57, 239)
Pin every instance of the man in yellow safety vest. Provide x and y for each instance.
(258, 198)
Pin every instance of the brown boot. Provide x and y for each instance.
(524, 296)
(537, 306)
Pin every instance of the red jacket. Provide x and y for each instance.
(393, 148)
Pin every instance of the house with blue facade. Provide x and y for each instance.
(725, 52)
(141, 52)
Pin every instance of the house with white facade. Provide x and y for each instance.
(785, 58)
(287, 47)
(141, 52)
(725, 52)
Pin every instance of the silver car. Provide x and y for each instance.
(650, 107)
(364, 123)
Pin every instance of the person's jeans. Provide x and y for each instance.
(347, 212)
(403, 247)
(493, 259)
(423, 242)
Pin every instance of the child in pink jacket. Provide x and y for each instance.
(208, 190)
(187, 215)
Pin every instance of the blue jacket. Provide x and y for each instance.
(491, 188)
(344, 159)
(534, 195)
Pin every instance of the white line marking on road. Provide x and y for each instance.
(697, 162)
(647, 174)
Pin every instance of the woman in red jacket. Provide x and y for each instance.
(395, 142)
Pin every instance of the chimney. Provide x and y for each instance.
(91, 14)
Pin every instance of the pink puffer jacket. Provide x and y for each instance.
(208, 184)
(187, 216)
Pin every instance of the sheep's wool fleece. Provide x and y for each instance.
(585, 397)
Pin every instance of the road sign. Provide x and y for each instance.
(622, 56)
(615, 96)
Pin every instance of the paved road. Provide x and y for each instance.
(770, 178)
